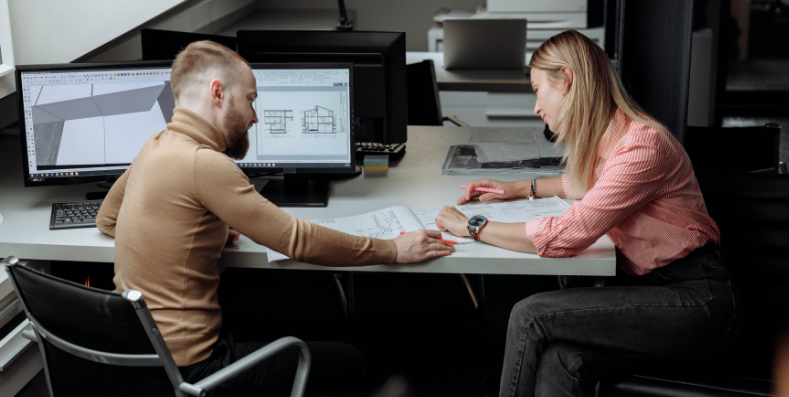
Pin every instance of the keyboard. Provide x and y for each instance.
(72, 214)
(392, 149)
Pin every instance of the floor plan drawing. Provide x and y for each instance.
(277, 120)
(319, 120)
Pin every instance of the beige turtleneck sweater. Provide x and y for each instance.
(169, 214)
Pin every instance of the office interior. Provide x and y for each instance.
(724, 65)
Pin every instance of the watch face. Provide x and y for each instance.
(476, 220)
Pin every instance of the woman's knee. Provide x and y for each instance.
(525, 311)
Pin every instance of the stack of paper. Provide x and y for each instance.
(504, 150)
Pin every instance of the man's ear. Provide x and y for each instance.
(568, 77)
(217, 92)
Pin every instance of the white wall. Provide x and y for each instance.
(206, 16)
(61, 31)
(412, 16)
(47, 31)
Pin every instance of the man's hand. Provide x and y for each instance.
(450, 219)
(511, 191)
(421, 245)
(232, 237)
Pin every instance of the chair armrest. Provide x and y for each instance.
(29, 335)
(455, 120)
(247, 362)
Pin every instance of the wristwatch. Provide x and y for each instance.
(475, 225)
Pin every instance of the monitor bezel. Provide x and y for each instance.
(110, 175)
(302, 170)
(389, 46)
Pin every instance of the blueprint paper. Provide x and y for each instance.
(387, 223)
(516, 211)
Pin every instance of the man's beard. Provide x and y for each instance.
(237, 136)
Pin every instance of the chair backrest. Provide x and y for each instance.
(734, 148)
(424, 104)
(752, 212)
(95, 342)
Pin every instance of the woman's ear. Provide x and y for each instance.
(568, 78)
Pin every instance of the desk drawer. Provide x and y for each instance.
(20, 359)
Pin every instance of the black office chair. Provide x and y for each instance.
(101, 343)
(734, 148)
(752, 212)
(424, 103)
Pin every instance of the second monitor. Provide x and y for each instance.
(378, 65)
(304, 129)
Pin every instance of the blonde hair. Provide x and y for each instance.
(589, 104)
(200, 57)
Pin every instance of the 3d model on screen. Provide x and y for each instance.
(87, 124)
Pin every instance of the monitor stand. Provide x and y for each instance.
(96, 195)
(297, 191)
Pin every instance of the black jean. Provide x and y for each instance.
(561, 343)
(336, 368)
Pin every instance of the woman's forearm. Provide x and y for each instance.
(549, 187)
(511, 236)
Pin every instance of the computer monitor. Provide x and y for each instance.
(166, 44)
(85, 123)
(304, 130)
(379, 71)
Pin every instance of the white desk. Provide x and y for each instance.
(416, 182)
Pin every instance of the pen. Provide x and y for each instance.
(484, 189)
(444, 240)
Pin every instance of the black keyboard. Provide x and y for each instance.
(392, 149)
(71, 214)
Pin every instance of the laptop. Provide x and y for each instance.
(484, 43)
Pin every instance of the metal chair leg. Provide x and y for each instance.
(470, 291)
(341, 291)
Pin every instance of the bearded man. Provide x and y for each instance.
(183, 199)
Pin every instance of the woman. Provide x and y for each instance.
(676, 300)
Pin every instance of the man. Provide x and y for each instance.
(170, 212)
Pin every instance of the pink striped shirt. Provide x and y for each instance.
(645, 197)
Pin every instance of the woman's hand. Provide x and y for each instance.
(453, 221)
(511, 190)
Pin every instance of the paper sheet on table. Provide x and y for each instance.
(504, 135)
(511, 144)
(497, 152)
(516, 211)
(386, 223)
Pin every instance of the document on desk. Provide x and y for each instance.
(511, 144)
(387, 223)
(515, 211)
